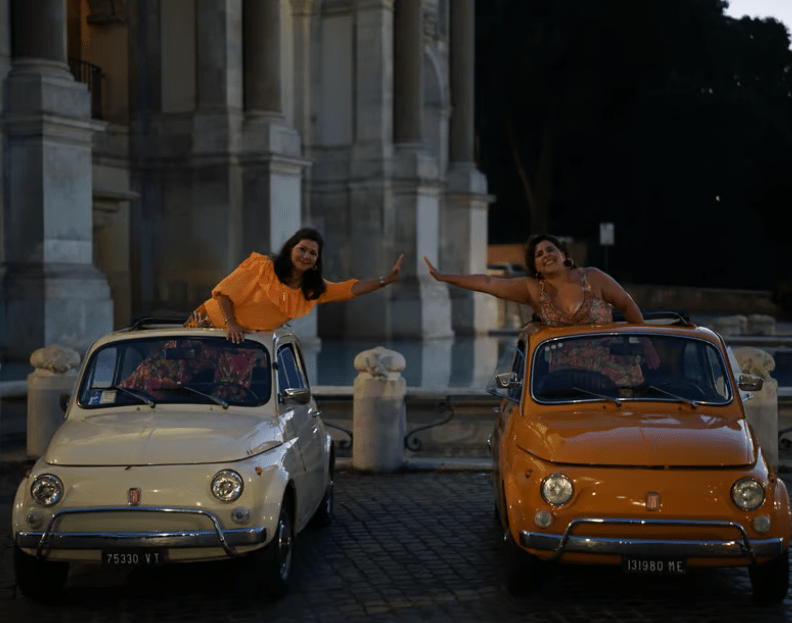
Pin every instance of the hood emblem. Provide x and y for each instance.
(653, 501)
(134, 497)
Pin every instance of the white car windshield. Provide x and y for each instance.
(187, 371)
(630, 367)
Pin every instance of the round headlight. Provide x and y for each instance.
(748, 494)
(227, 486)
(47, 490)
(557, 489)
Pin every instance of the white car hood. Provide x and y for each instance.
(163, 438)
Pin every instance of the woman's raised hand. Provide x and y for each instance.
(432, 270)
(393, 275)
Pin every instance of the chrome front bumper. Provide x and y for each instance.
(229, 540)
(735, 548)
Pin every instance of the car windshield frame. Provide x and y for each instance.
(613, 366)
(177, 370)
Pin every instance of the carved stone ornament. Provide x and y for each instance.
(54, 359)
(105, 11)
(381, 363)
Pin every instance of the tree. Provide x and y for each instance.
(667, 118)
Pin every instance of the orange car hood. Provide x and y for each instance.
(621, 436)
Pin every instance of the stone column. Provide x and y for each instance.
(421, 307)
(216, 180)
(408, 87)
(464, 219)
(219, 76)
(262, 41)
(273, 167)
(462, 81)
(52, 291)
(5, 67)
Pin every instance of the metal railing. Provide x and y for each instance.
(89, 74)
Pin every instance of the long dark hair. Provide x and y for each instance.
(313, 284)
(530, 253)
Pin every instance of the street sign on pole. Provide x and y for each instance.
(607, 239)
(607, 234)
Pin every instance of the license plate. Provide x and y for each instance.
(133, 558)
(655, 566)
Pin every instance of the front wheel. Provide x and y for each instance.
(278, 555)
(523, 571)
(770, 580)
(39, 580)
(324, 514)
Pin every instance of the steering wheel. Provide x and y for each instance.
(248, 392)
(572, 378)
(682, 388)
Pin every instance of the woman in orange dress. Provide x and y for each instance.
(263, 292)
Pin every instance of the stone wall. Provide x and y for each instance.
(704, 300)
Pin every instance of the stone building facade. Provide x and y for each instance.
(148, 146)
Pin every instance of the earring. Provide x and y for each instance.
(539, 275)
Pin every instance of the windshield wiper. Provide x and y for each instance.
(214, 399)
(602, 396)
(136, 394)
(582, 391)
(692, 403)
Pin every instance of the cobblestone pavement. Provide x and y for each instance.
(416, 546)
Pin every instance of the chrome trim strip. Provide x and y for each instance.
(737, 548)
(228, 540)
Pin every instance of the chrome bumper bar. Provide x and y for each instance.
(735, 548)
(229, 540)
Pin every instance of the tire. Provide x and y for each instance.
(522, 569)
(39, 580)
(770, 580)
(324, 514)
(277, 557)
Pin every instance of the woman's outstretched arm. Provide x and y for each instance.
(369, 285)
(511, 289)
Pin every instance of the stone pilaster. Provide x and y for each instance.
(52, 291)
(273, 167)
(408, 57)
(5, 67)
(421, 307)
(464, 220)
(216, 183)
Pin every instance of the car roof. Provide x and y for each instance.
(165, 327)
(656, 323)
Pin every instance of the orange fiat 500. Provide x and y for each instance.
(629, 445)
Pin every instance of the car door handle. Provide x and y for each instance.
(314, 412)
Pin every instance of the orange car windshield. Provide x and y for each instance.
(629, 367)
(185, 371)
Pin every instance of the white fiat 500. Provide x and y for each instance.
(178, 446)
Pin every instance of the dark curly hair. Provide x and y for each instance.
(313, 284)
(530, 253)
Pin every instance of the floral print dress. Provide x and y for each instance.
(624, 371)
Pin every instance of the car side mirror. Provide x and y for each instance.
(298, 396)
(507, 380)
(64, 401)
(750, 383)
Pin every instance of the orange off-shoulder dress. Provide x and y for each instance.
(261, 301)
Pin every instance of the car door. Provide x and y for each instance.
(298, 409)
(509, 387)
